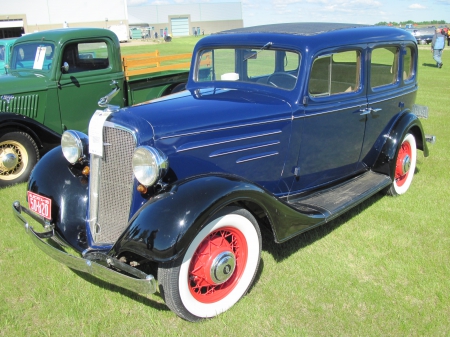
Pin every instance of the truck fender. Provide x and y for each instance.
(41, 134)
(165, 226)
(55, 178)
(407, 123)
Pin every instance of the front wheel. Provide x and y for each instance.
(405, 165)
(217, 269)
(18, 155)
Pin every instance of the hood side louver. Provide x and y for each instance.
(23, 105)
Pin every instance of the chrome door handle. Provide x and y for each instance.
(367, 111)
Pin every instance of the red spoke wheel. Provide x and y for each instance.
(217, 269)
(405, 165)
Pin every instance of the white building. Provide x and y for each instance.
(26, 16)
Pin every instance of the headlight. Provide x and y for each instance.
(149, 165)
(74, 145)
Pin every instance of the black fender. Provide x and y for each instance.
(44, 137)
(164, 227)
(55, 178)
(407, 123)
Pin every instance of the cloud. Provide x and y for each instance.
(136, 2)
(416, 6)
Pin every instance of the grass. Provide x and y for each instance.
(381, 269)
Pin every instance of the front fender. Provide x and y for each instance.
(407, 123)
(165, 226)
(54, 178)
(41, 134)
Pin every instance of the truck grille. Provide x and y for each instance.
(24, 105)
(111, 186)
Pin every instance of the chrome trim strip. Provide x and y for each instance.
(145, 285)
(225, 152)
(226, 128)
(246, 159)
(330, 111)
(218, 142)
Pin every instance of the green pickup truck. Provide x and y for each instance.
(5, 47)
(57, 79)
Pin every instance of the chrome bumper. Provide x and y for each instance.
(141, 283)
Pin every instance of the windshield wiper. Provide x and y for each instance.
(266, 46)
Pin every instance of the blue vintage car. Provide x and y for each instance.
(282, 128)
(5, 49)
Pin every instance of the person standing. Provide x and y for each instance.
(437, 46)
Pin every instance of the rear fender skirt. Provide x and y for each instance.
(165, 226)
(54, 178)
(407, 123)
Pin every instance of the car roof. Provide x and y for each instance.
(295, 28)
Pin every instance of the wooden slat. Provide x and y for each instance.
(140, 64)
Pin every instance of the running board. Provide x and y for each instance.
(334, 201)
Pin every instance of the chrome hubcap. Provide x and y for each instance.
(222, 267)
(9, 161)
(406, 164)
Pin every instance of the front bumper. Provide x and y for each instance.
(141, 283)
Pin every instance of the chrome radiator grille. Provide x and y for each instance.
(111, 186)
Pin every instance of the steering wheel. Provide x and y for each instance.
(282, 80)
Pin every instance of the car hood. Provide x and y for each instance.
(22, 82)
(207, 110)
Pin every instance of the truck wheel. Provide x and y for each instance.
(405, 165)
(18, 155)
(217, 269)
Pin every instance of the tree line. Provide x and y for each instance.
(403, 23)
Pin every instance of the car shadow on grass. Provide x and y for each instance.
(281, 251)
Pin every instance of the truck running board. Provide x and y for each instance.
(334, 201)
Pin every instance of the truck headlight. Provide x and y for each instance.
(74, 145)
(149, 165)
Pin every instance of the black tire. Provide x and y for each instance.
(18, 155)
(216, 270)
(405, 165)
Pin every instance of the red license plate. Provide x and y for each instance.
(39, 204)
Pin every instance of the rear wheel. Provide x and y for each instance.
(405, 165)
(217, 269)
(18, 155)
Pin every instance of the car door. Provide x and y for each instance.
(90, 76)
(391, 88)
(331, 127)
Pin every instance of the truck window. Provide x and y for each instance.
(336, 73)
(383, 66)
(86, 56)
(278, 68)
(2, 53)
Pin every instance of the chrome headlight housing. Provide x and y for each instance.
(74, 145)
(149, 165)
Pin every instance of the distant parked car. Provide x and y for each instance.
(5, 48)
(424, 35)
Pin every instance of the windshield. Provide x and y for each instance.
(261, 66)
(33, 55)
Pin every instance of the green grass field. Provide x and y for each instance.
(382, 269)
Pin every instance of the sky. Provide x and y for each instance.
(258, 12)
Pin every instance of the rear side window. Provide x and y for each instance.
(408, 63)
(86, 56)
(336, 73)
(384, 66)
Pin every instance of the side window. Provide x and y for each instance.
(2, 53)
(384, 66)
(86, 56)
(335, 74)
(408, 63)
